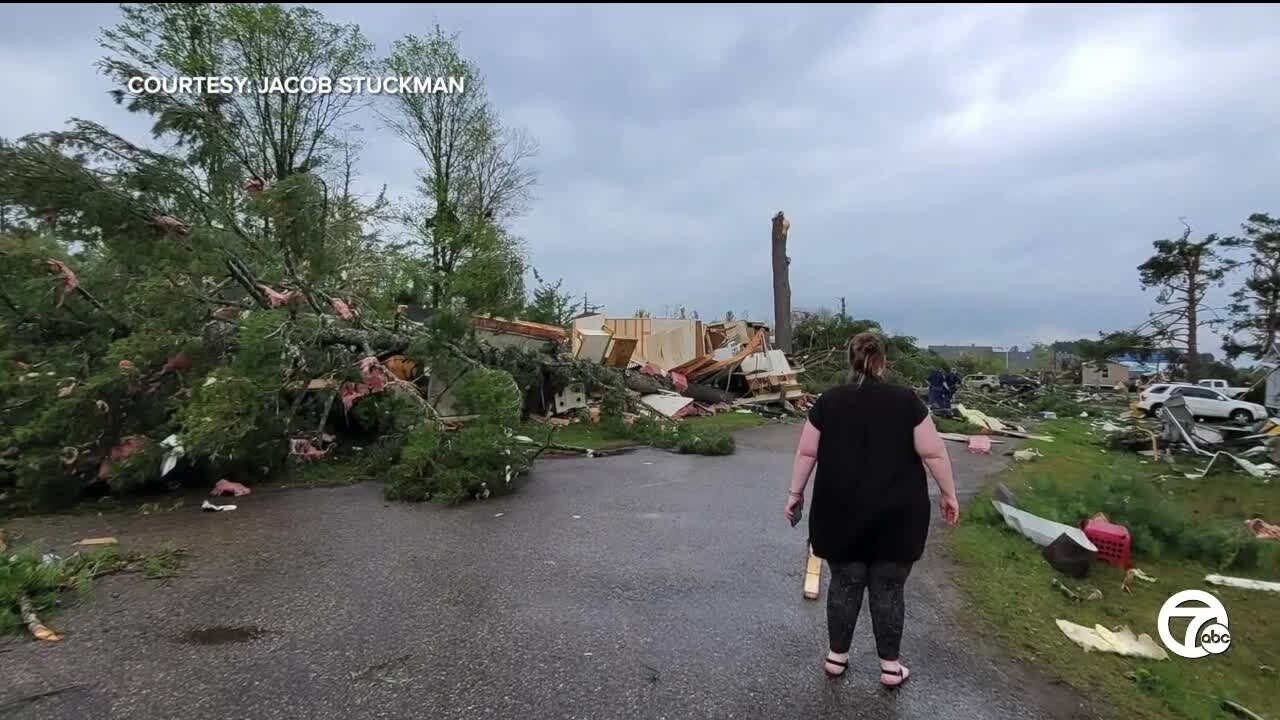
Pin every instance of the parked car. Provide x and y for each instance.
(1222, 387)
(981, 382)
(1017, 381)
(1201, 402)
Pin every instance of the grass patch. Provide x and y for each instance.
(1182, 530)
(949, 425)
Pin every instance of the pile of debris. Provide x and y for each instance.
(1175, 429)
(682, 367)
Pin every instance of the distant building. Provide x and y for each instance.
(1105, 377)
(1013, 359)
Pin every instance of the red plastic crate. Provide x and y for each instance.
(1112, 541)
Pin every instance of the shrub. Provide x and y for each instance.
(704, 442)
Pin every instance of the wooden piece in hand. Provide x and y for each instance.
(812, 577)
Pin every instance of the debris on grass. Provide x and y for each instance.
(1262, 529)
(1121, 641)
(207, 506)
(1039, 530)
(1240, 710)
(1079, 594)
(1027, 454)
(1134, 574)
(1243, 583)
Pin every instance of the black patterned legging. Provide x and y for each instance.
(884, 584)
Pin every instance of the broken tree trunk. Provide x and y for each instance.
(781, 284)
(649, 384)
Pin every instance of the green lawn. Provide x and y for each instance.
(1183, 529)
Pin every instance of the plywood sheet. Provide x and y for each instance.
(591, 344)
(620, 352)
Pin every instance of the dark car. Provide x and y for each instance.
(1017, 382)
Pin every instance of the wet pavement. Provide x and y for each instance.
(646, 585)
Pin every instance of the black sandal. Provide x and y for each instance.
(901, 672)
(843, 665)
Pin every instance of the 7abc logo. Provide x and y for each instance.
(1207, 627)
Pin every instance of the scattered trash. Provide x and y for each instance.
(227, 487)
(207, 506)
(1039, 530)
(498, 515)
(1263, 530)
(1120, 641)
(1028, 454)
(1243, 583)
(577, 517)
(96, 542)
(1047, 415)
(1069, 557)
(1264, 470)
(1134, 574)
(980, 445)
(171, 458)
(1077, 595)
(1084, 414)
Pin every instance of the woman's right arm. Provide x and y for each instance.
(933, 451)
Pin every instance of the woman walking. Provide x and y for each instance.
(869, 518)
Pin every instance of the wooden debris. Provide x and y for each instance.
(96, 542)
(38, 629)
(812, 576)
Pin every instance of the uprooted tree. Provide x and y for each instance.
(221, 301)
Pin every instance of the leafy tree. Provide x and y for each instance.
(241, 134)
(550, 305)
(1255, 306)
(475, 174)
(1183, 271)
(1041, 355)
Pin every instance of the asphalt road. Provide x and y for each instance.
(646, 585)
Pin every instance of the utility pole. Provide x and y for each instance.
(781, 284)
(843, 314)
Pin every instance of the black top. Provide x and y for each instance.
(870, 493)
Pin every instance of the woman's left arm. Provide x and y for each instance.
(802, 468)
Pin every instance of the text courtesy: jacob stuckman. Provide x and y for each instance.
(292, 85)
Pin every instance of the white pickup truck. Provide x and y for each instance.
(1222, 387)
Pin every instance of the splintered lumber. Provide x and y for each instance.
(812, 576)
(732, 362)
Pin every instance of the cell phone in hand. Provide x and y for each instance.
(795, 516)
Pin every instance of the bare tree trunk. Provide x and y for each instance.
(781, 284)
(1193, 325)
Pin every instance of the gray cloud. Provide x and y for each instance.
(963, 173)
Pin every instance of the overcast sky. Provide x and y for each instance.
(983, 174)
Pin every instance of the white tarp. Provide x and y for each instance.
(1121, 642)
(1243, 583)
(1039, 530)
